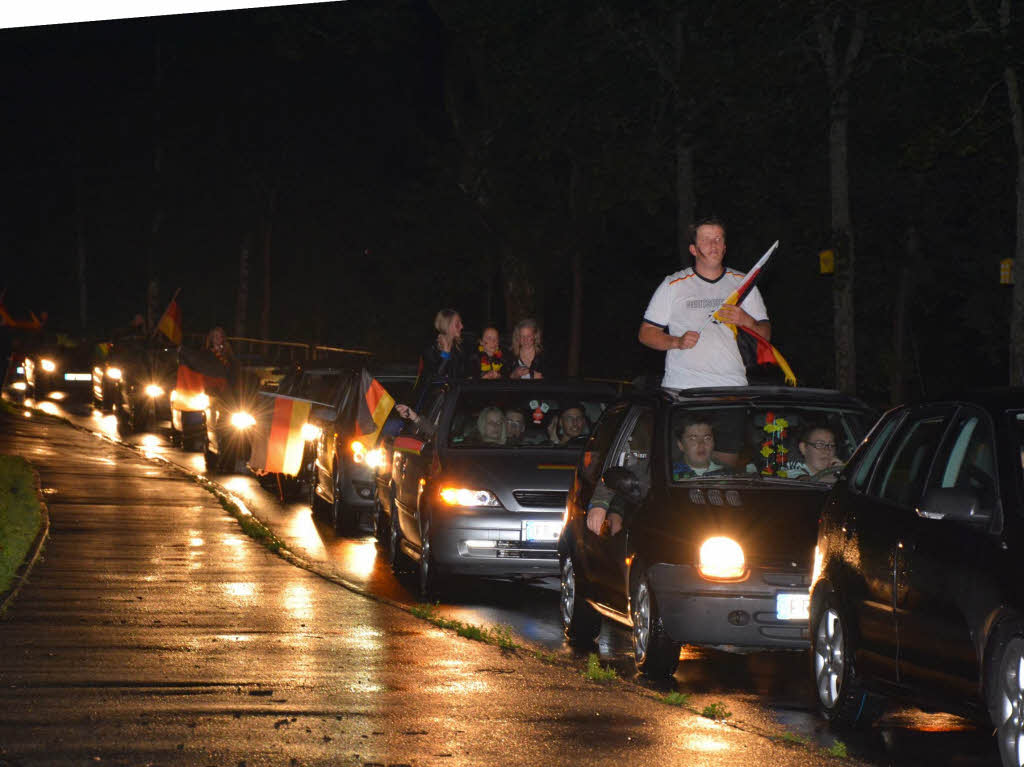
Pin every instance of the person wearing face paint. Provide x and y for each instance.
(700, 353)
(489, 355)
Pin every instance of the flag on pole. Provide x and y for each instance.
(278, 446)
(375, 405)
(170, 322)
(743, 289)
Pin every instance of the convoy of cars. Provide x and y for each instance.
(59, 367)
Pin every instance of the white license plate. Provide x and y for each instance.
(541, 530)
(78, 376)
(792, 607)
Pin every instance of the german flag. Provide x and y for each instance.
(754, 349)
(170, 323)
(374, 405)
(279, 448)
(188, 387)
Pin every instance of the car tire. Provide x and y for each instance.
(581, 623)
(842, 699)
(343, 516)
(211, 458)
(655, 654)
(399, 560)
(1005, 689)
(316, 503)
(430, 582)
(380, 522)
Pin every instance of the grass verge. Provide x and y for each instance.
(20, 515)
(499, 636)
(596, 672)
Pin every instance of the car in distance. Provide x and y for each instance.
(473, 495)
(60, 368)
(719, 518)
(917, 590)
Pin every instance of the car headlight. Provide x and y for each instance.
(19, 386)
(174, 395)
(310, 432)
(48, 366)
(376, 458)
(358, 450)
(461, 496)
(114, 373)
(153, 391)
(201, 402)
(721, 558)
(242, 420)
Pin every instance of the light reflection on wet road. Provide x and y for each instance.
(772, 688)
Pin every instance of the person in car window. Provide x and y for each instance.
(489, 355)
(423, 424)
(526, 351)
(490, 425)
(515, 426)
(695, 441)
(570, 424)
(817, 446)
(444, 357)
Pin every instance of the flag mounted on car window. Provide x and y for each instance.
(374, 404)
(278, 445)
(170, 323)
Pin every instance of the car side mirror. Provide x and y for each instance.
(623, 481)
(954, 504)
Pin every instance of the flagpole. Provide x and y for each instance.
(760, 262)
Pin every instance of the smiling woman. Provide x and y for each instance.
(20, 516)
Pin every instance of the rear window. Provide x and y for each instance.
(532, 418)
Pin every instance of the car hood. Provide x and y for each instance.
(523, 480)
(774, 523)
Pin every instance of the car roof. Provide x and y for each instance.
(751, 395)
(574, 386)
(994, 398)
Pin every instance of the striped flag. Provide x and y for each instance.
(277, 447)
(170, 323)
(374, 405)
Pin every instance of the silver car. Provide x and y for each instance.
(479, 482)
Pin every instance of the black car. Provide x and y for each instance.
(474, 495)
(917, 589)
(234, 411)
(60, 368)
(718, 519)
(136, 381)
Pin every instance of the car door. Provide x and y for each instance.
(940, 597)
(414, 450)
(607, 553)
(877, 525)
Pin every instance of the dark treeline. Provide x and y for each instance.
(380, 160)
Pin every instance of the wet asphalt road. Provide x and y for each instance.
(769, 691)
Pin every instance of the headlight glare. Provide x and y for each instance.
(202, 402)
(242, 420)
(154, 391)
(376, 458)
(461, 496)
(48, 366)
(358, 450)
(310, 432)
(721, 558)
(114, 374)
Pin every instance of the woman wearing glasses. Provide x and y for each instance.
(817, 445)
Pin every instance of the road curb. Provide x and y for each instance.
(35, 550)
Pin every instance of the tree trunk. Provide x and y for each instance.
(242, 299)
(520, 294)
(685, 196)
(900, 331)
(575, 350)
(1017, 318)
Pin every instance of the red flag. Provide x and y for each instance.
(170, 323)
(766, 354)
(374, 404)
(278, 446)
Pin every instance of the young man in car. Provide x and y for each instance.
(699, 355)
(696, 443)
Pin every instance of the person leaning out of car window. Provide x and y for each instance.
(423, 424)
(817, 446)
(695, 441)
(444, 357)
(526, 360)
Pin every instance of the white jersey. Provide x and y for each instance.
(683, 302)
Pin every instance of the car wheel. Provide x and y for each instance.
(655, 654)
(426, 570)
(343, 517)
(213, 463)
(399, 560)
(316, 503)
(841, 697)
(1006, 700)
(380, 522)
(580, 622)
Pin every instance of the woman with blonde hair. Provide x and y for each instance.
(526, 351)
(444, 357)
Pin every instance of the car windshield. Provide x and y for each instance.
(524, 419)
(791, 441)
(319, 386)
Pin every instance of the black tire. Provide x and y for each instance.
(125, 422)
(380, 523)
(429, 580)
(655, 654)
(842, 699)
(1004, 686)
(580, 622)
(211, 458)
(316, 503)
(344, 518)
(400, 562)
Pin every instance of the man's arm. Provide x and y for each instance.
(735, 315)
(656, 338)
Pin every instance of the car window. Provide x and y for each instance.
(876, 441)
(543, 418)
(967, 459)
(634, 450)
(902, 477)
(783, 442)
(593, 459)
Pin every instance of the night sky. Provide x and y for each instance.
(391, 155)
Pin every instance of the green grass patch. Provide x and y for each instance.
(838, 750)
(545, 657)
(676, 698)
(792, 737)
(20, 515)
(716, 711)
(596, 672)
(499, 636)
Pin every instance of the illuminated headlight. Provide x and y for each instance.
(114, 373)
(153, 391)
(721, 558)
(358, 450)
(202, 402)
(310, 432)
(19, 386)
(48, 366)
(20, 370)
(460, 496)
(174, 394)
(376, 458)
(242, 420)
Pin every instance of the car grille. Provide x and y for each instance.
(544, 499)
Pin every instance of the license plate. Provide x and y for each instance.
(541, 530)
(78, 376)
(792, 607)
